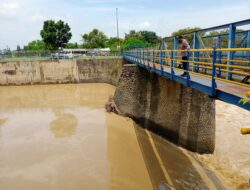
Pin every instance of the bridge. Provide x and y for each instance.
(221, 72)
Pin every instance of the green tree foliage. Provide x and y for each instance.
(139, 39)
(149, 36)
(95, 39)
(134, 42)
(224, 38)
(113, 43)
(55, 34)
(72, 45)
(216, 32)
(210, 42)
(35, 45)
(184, 31)
(133, 34)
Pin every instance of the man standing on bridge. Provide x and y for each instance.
(184, 46)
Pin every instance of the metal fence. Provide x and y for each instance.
(49, 55)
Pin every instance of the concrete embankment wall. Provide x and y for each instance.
(105, 70)
(183, 115)
(100, 70)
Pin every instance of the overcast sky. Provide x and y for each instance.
(22, 20)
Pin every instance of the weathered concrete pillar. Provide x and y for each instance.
(181, 114)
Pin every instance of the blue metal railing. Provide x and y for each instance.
(166, 62)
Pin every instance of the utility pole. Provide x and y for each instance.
(117, 27)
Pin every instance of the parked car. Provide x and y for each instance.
(62, 55)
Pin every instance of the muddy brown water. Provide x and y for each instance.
(60, 137)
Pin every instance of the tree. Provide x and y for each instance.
(18, 48)
(145, 36)
(35, 45)
(149, 36)
(183, 31)
(113, 43)
(139, 39)
(72, 45)
(133, 42)
(95, 39)
(55, 35)
(239, 38)
(133, 34)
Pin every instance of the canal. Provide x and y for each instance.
(61, 137)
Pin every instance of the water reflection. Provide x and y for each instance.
(3, 121)
(54, 96)
(127, 167)
(64, 125)
(34, 150)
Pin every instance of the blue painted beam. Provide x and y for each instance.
(196, 45)
(175, 48)
(163, 54)
(218, 45)
(231, 44)
(232, 99)
(224, 26)
(226, 35)
(248, 44)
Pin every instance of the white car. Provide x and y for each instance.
(62, 55)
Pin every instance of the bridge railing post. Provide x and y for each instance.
(161, 62)
(132, 54)
(141, 52)
(138, 55)
(154, 66)
(149, 57)
(231, 44)
(248, 44)
(188, 75)
(143, 56)
(196, 45)
(175, 48)
(220, 62)
(213, 84)
(172, 65)
(153, 61)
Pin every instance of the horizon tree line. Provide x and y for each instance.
(57, 34)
